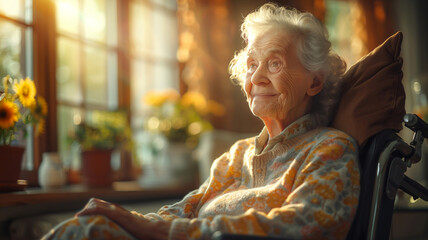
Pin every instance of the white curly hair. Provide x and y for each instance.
(313, 50)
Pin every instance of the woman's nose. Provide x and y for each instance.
(260, 75)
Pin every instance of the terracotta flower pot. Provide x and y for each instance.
(10, 162)
(96, 168)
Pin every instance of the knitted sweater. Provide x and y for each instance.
(302, 184)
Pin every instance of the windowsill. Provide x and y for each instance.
(36, 201)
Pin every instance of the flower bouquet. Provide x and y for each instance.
(103, 130)
(180, 119)
(19, 107)
(174, 125)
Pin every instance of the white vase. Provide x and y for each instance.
(182, 163)
(51, 171)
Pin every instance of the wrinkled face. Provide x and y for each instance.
(276, 83)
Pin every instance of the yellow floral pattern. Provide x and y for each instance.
(89, 227)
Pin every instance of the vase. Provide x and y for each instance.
(96, 168)
(182, 163)
(51, 171)
(10, 162)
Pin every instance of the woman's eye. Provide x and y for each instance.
(274, 66)
(252, 68)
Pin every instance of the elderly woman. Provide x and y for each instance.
(297, 179)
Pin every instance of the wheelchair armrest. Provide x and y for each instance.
(414, 189)
(229, 236)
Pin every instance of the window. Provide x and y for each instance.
(86, 62)
(88, 55)
(87, 72)
(16, 38)
(344, 24)
(153, 62)
(16, 49)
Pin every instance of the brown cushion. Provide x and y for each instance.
(373, 96)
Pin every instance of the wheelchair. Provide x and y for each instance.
(384, 160)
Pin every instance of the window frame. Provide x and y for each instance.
(44, 73)
(44, 67)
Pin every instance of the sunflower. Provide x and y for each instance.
(40, 107)
(40, 126)
(8, 114)
(39, 110)
(26, 91)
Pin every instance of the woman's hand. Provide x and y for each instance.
(97, 206)
(136, 225)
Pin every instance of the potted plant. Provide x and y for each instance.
(19, 107)
(98, 137)
(181, 120)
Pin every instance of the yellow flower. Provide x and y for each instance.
(26, 91)
(195, 99)
(40, 107)
(18, 103)
(39, 110)
(40, 127)
(8, 114)
(157, 98)
(216, 108)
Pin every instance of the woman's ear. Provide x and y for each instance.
(316, 86)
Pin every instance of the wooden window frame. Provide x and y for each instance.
(45, 37)
(44, 69)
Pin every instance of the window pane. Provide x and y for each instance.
(20, 9)
(95, 76)
(10, 50)
(67, 16)
(28, 52)
(140, 76)
(94, 19)
(112, 77)
(140, 27)
(165, 76)
(165, 37)
(171, 4)
(112, 23)
(67, 74)
(147, 76)
(28, 11)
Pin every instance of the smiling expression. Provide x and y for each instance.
(276, 82)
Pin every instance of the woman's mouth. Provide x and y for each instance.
(263, 95)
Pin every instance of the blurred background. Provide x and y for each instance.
(149, 78)
(138, 58)
(156, 71)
